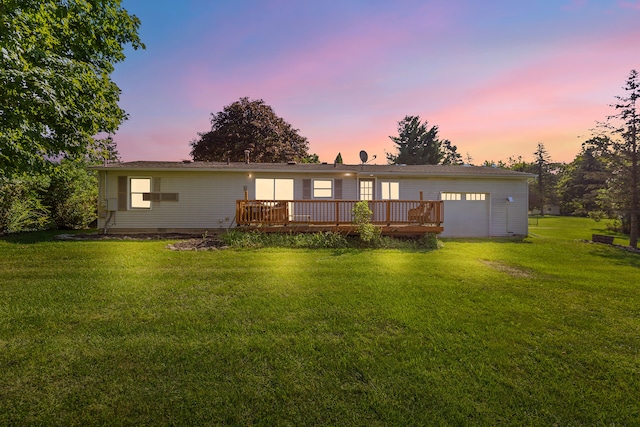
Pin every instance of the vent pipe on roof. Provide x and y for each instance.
(246, 156)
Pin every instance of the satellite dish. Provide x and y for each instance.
(364, 156)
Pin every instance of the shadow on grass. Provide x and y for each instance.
(519, 239)
(616, 254)
(33, 237)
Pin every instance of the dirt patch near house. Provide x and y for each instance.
(512, 271)
(206, 244)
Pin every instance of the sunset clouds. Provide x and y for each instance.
(496, 78)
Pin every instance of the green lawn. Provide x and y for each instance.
(540, 332)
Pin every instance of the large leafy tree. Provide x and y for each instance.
(622, 132)
(419, 144)
(254, 126)
(56, 59)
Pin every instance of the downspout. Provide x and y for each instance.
(105, 202)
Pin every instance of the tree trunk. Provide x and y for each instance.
(635, 206)
(633, 234)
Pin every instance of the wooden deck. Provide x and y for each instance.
(393, 216)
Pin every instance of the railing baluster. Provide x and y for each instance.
(338, 212)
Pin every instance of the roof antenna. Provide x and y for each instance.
(364, 157)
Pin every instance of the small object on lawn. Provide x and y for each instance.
(601, 238)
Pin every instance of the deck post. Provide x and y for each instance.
(337, 213)
(388, 212)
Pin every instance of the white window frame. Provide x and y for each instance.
(389, 190)
(370, 192)
(315, 190)
(135, 193)
(275, 186)
(450, 196)
(475, 197)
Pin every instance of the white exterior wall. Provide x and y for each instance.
(500, 211)
(207, 200)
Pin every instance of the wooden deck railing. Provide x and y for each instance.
(338, 212)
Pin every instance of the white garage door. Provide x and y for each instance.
(466, 214)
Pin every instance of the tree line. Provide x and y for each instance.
(603, 181)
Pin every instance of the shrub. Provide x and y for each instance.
(64, 197)
(369, 233)
(21, 208)
(429, 241)
(255, 239)
(72, 195)
(242, 239)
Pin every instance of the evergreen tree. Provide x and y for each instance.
(623, 152)
(418, 144)
(542, 160)
(584, 180)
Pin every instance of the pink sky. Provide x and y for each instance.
(496, 78)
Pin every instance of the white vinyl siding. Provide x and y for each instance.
(208, 199)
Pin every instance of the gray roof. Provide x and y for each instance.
(378, 170)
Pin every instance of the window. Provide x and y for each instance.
(366, 189)
(475, 196)
(274, 189)
(322, 188)
(451, 196)
(139, 186)
(390, 190)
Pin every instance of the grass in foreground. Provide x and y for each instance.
(539, 332)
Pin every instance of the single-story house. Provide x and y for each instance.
(458, 201)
